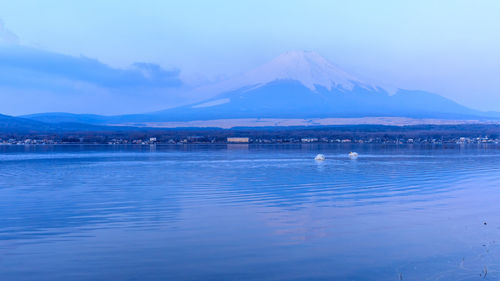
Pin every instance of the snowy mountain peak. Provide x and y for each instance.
(309, 68)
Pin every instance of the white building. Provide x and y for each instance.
(238, 140)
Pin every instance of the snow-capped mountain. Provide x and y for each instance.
(297, 85)
(302, 84)
(308, 68)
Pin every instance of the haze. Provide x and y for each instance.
(107, 48)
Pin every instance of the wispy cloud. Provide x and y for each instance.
(7, 36)
(32, 62)
(35, 80)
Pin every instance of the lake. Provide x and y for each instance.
(250, 212)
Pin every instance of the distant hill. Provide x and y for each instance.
(15, 124)
(10, 124)
(62, 117)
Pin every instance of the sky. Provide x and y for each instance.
(445, 47)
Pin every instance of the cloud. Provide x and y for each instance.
(31, 63)
(34, 80)
(7, 36)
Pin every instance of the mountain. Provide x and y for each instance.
(306, 85)
(63, 117)
(10, 124)
(15, 124)
(291, 99)
(295, 85)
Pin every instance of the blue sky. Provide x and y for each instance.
(446, 47)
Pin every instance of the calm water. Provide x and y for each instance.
(249, 213)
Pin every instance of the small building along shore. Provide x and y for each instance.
(238, 140)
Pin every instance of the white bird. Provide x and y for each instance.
(320, 157)
(353, 155)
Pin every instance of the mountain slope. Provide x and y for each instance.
(15, 124)
(291, 99)
(295, 85)
(62, 117)
(10, 124)
(305, 85)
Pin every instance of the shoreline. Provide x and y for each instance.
(253, 144)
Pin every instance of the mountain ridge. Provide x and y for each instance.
(297, 84)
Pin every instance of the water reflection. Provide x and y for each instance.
(249, 212)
